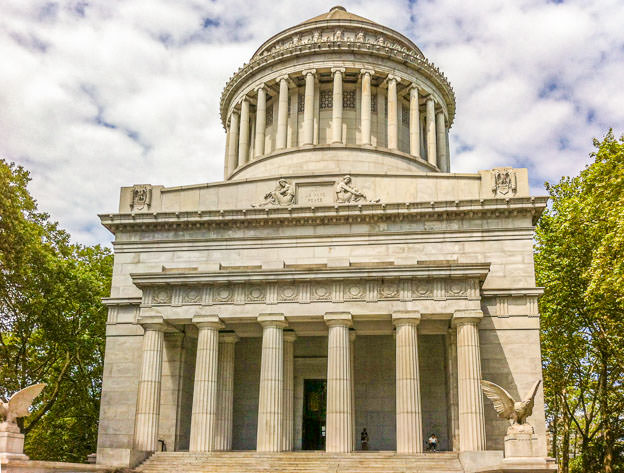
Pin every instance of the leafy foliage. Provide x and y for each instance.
(579, 259)
(52, 323)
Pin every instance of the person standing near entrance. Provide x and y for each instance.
(364, 439)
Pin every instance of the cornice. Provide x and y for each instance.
(423, 270)
(445, 281)
(325, 215)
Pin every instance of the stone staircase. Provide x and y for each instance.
(301, 462)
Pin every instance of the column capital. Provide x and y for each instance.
(228, 336)
(235, 112)
(305, 72)
(367, 71)
(272, 320)
(260, 87)
(413, 88)
(391, 77)
(207, 321)
(337, 69)
(430, 97)
(285, 77)
(406, 317)
(338, 318)
(153, 322)
(461, 317)
(290, 335)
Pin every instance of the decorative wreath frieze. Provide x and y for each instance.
(346, 290)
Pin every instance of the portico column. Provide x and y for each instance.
(339, 412)
(148, 396)
(366, 105)
(260, 121)
(431, 131)
(308, 107)
(471, 420)
(393, 128)
(243, 137)
(414, 123)
(270, 403)
(408, 407)
(282, 113)
(225, 391)
(337, 105)
(352, 366)
(203, 417)
(441, 139)
(232, 148)
(288, 431)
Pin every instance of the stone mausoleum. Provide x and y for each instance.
(340, 277)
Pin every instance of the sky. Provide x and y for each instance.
(95, 95)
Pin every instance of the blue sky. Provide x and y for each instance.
(95, 95)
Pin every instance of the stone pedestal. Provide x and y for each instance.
(12, 446)
(521, 445)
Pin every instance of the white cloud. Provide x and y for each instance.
(96, 95)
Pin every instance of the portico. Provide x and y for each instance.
(309, 309)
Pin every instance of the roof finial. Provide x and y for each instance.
(337, 7)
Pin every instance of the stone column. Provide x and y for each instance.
(243, 136)
(270, 403)
(337, 105)
(471, 420)
(260, 121)
(393, 127)
(414, 123)
(282, 113)
(441, 139)
(225, 391)
(339, 412)
(352, 371)
(203, 418)
(148, 396)
(288, 431)
(431, 132)
(366, 105)
(233, 146)
(408, 406)
(308, 107)
(451, 356)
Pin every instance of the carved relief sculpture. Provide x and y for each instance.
(141, 197)
(282, 195)
(504, 181)
(347, 193)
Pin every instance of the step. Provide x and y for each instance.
(301, 462)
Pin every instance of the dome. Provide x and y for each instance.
(336, 93)
(337, 13)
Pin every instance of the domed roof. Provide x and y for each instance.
(337, 13)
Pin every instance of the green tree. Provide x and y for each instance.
(52, 323)
(579, 259)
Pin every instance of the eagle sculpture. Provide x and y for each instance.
(17, 406)
(515, 411)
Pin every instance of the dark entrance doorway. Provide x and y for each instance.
(314, 405)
